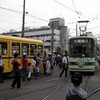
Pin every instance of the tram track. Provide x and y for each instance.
(52, 89)
(86, 87)
(55, 90)
(93, 92)
(24, 91)
(86, 83)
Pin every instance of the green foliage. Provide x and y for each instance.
(66, 52)
(58, 50)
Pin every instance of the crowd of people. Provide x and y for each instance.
(32, 69)
(49, 62)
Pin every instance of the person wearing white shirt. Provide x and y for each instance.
(34, 65)
(48, 67)
(64, 66)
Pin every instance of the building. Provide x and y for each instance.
(59, 24)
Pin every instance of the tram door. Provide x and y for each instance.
(4, 52)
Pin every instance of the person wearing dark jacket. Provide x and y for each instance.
(16, 70)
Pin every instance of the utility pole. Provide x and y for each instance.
(52, 42)
(76, 30)
(51, 24)
(23, 20)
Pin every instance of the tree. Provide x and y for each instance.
(66, 52)
(58, 50)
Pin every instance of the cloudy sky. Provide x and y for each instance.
(40, 11)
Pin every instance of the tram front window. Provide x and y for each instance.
(80, 50)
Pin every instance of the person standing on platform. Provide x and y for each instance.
(16, 70)
(1, 70)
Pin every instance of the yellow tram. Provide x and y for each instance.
(11, 44)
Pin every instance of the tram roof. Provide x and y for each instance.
(82, 37)
(20, 39)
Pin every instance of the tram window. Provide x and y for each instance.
(15, 48)
(25, 48)
(3, 48)
(40, 49)
(33, 49)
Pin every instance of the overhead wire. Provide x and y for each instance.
(74, 5)
(65, 6)
(19, 12)
(10, 22)
(11, 10)
(3, 29)
(37, 17)
(70, 9)
(75, 8)
(25, 13)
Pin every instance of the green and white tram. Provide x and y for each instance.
(82, 51)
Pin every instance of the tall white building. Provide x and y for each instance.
(59, 23)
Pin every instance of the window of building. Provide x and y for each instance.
(46, 47)
(48, 40)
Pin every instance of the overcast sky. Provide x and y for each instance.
(40, 11)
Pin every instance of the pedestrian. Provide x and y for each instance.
(64, 66)
(16, 70)
(1, 70)
(48, 67)
(24, 67)
(76, 92)
(37, 71)
(44, 63)
(29, 72)
(38, 59)
(34, 65)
